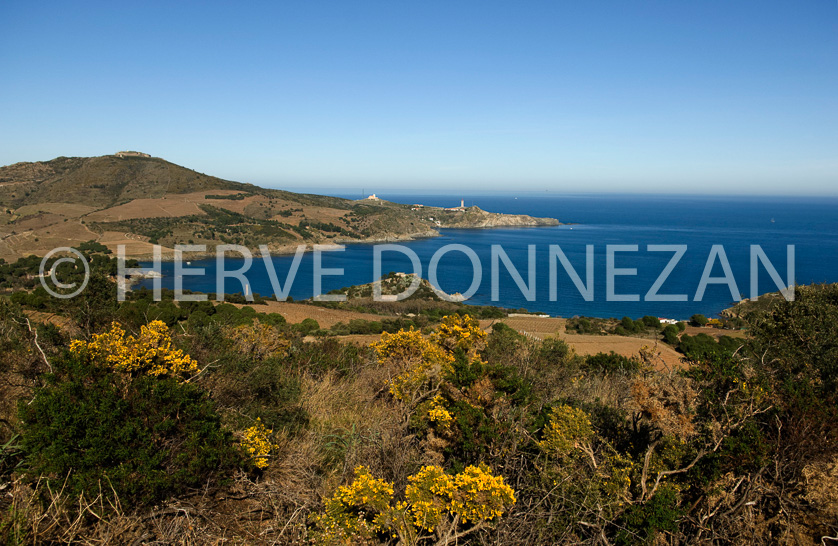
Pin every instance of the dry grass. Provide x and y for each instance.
(166, 207)
(47, 235)
(325, 317)
(584, 345)
(44, 515)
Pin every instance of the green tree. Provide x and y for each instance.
(698, 320)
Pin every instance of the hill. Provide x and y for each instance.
(140, 201)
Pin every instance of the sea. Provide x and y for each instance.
(709, 233)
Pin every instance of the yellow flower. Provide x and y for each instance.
(438, 413)
(567, 429)
(420, 360)
(257, 445)
(152, 352)
(432, 497)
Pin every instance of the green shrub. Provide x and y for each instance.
(611, 362)
(307, 326)
(146, 437)
(554, 350)
(643, 522)
(699, 320)
(670, 334)
(651, 322)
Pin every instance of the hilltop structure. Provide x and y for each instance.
(129, 153)
(461, 208)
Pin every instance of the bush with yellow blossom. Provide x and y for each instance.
(150, 353)
(438, 413)
(357, 511)
(115, 417)
(436, 504)
(258, 340)
(256, 444)
(421, 362)
(459, 332)
(568, 429)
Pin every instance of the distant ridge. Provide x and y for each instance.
(135, 200)
(103, 181)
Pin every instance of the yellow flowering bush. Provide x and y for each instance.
(358, 510)
(459, 332)
(421, 361)
(150, 353)
(259, 340)
(568, 428)
(257, 445)
(425, 360)
(427, 497)
(435, 502)
(438, 414)
(478, 495)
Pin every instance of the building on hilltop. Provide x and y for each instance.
(373, 198)
(461, 208)
(129, 153)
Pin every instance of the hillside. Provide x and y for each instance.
(140, 201)
(264, 424)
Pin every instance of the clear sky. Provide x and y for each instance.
(713, 96)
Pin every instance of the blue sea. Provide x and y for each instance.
(699, 222)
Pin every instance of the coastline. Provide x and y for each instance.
(167, 254)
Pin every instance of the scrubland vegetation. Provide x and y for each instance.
(156, 422)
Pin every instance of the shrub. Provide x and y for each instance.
(554, 351)
(698, 320)
(436, 504)
(568, 429)
(257, 445)
(419, 361)
(651, 322)
(147, 437)
(151, 353)
(644, 521)
(611, 362)
(307, 326)
(698, 345)
(670, 334)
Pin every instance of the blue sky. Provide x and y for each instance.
(648, 96)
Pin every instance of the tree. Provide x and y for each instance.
(698, 320)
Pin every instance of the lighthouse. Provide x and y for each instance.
(462, 203)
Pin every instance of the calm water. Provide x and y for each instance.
(810, 224)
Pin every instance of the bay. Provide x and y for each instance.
(699, 222)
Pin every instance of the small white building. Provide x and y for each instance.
(373, 197)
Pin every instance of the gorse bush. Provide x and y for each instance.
(116, 414)
(437, 506)
(146, 437)
(256, 444)
(151, 352)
